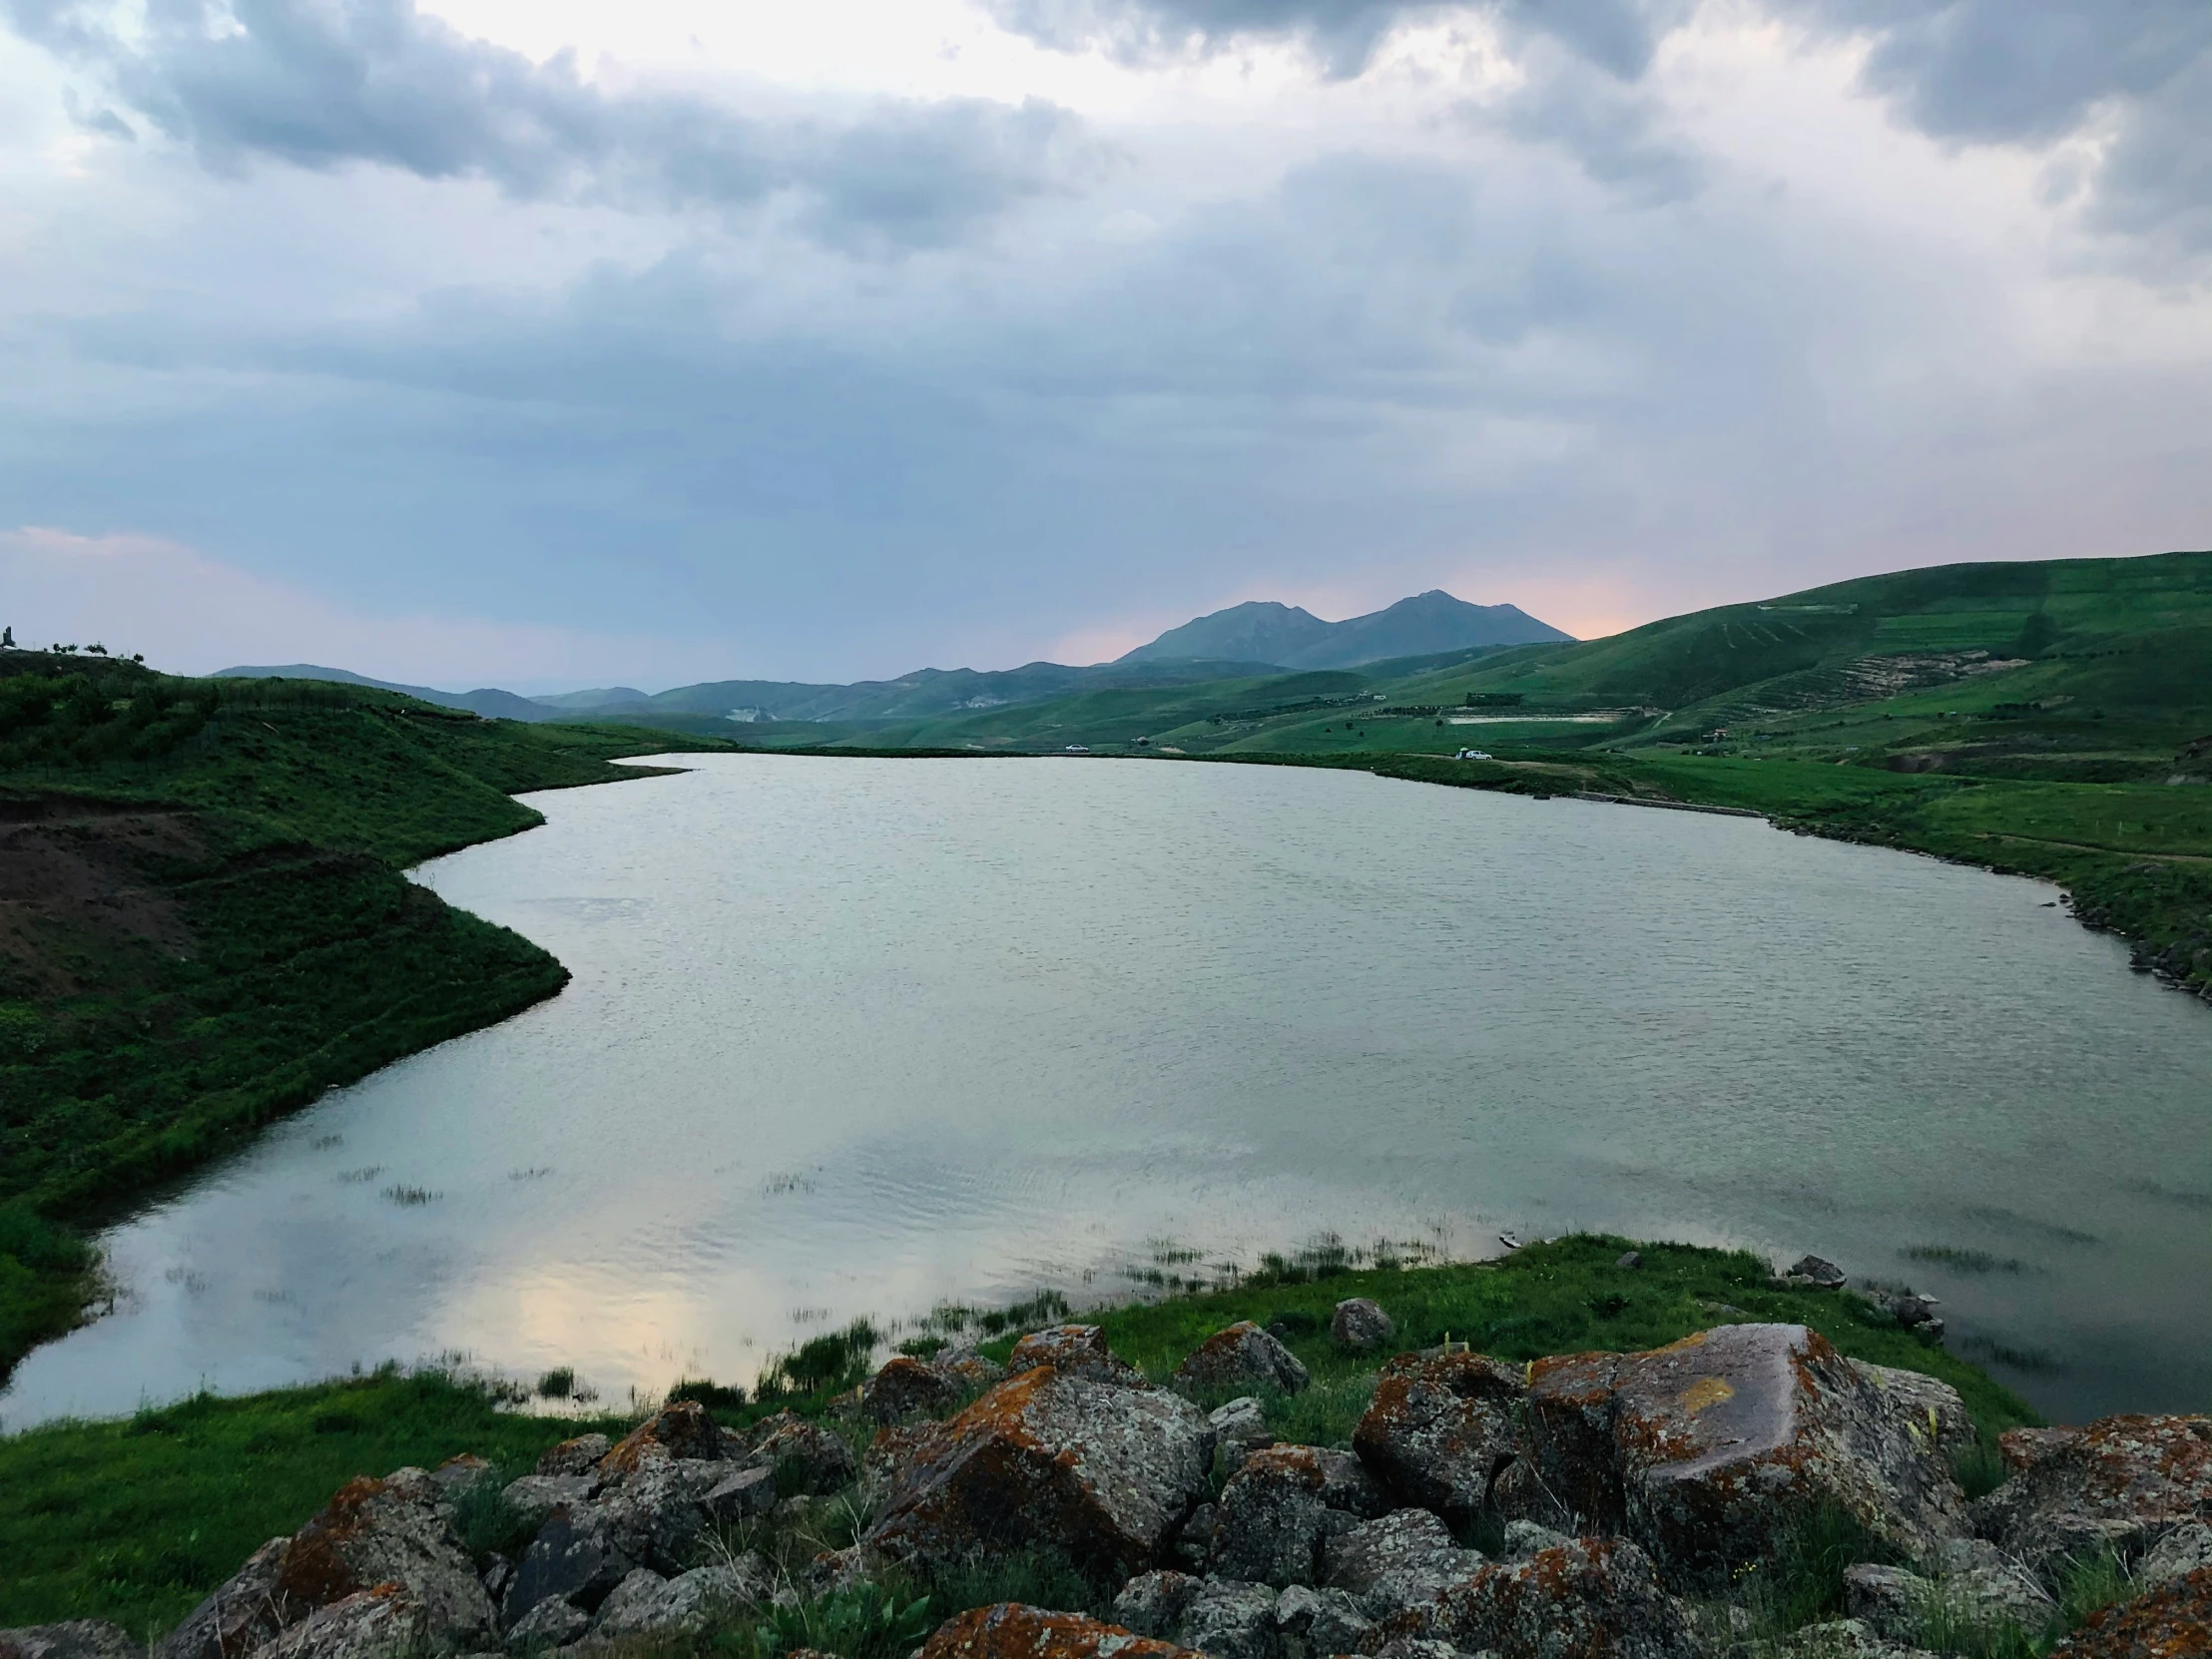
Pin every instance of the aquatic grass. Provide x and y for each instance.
(1963, 1260)
(704, 1391)
(410, 1196)
(557, 1383)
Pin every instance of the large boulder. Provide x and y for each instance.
(578, 1456)
(1926, 1405)
(658, 1514)
(2174, 1622)
(684, 1430)
(71, 1639)
(1074, 1350)
(1897, 1604)
(240, 1615)
(1360, 1326)
(1231, 1619)
(646, 1604)
(1708, 1452)
(1242, 1357)
(2116, 1484)
(1442, 1428)
(551, 1623)
(908, 1387)
(1596, 1598)
(389, 1531)
(368, 1624)
(1102, 1474)
(535, 1496)
(574, 1558)
(810, 1459)
(1153, 1603)
(1011, 1630)
(1396, 1561)
(1310, 1624)
(1276, 1512)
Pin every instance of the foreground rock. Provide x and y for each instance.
(815, 1461)
(370, 1624)
(1709, 1451)
(1102, 1474)
(1074, 1350)
(240, 1615)
(2170, 1623)
(682, 1430)
(378, 1532)
(2116, 1484)
(1360, 1326)
(1442, 1430)
(578, 1456)
(72, 1639)
(1011, 1630)
(1396, 1562)
(908, 1387)
(1279, 1509)
(1243, 1357)
(1595, 1598)
(647, 1604)
(1896, 1605)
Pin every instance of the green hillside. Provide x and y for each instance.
(205, 924)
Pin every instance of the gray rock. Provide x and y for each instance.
(1525, 1538)
(1154, 1603)
(1360, 1325)
(389, 1531)
(1816, 1271)
(237, 1616)
(685, 1431)
(573, 1558)
(1417, 1647)
(908, 1387)
(1596, 1598)
(1924, 1405)
(1630, 1259)
(646, 1604)
(1896, 1605)
(818, 1459)
(1243, 1357)
(1231, 1620)
(2183, 1551)
(1192, 1546)
(1074, 1350)
(1240, 1426)
(1276, 1510)
(657, 1516)
(1708, 1452)
(1845, 1639)
(2116, 1484)
(551, 1623)
(747, 1495)
(1441, 1428)
(1888, 1600)
(1311, 1624)
(1102, 1474)
(370, 1624)
(1396, 1562)
(498, 1573)
(71, 1639)
(535, 1496)
(578, 1456)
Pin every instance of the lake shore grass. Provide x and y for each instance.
(134, 1521)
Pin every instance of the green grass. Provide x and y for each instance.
(136, 1520)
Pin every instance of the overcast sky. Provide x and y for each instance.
(555, 342)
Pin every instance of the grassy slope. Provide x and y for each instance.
(244, 939)
(134, 1521)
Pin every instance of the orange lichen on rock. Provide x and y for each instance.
(680, 1430)
(1012, 1630)
(2170, 1623)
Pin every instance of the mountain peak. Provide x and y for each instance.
(1266, 631)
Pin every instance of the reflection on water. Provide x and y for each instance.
(859, 1035)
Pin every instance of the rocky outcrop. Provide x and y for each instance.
(71, 1639)
(682, 1430)
(1278, 1511)
(1442, 1428)
(1231, 1619)
(2174, 1622)
(1242, 1357)
(578, 1456)
(1100, 1473)
(1358, 1326)
(1896, 1605)
(1074, 1350)
(238, 1617)
(1396, 1562)
(2117, 1485)
(378, 1532)
(551, 1623)
(368, 1624)
(1709, 1451)
(1011, 1630)
(1596, 1598)
(809, 1458)
(1153, 1603)
(908, 1387)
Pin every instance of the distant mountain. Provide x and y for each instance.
(603, 697)
(487, 701)
(1289, 637)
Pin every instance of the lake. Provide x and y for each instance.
(858, 1036)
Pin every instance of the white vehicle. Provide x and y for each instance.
(1078, 748)
(1473, 755)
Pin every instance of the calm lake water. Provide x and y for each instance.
(854, 1037)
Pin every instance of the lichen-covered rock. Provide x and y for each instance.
(816, 1459)
(2116, 1484)
(1596, 1598)
(646, 1604)
(1074, 1350)
(684, 1430)
(1525, 1538)
(1101, 1474)
(71, 1639)
(551, 1623)
(1231, 1619)
(658, 1514)
(747, 1495)
(578, 1456)
(1845, 1639)
(1243, 1357)
(2179, 1553)
(1441, 1430)
(1153, 1603)
(388, 1531)
(970, 1369)
(1709, 1451)
(1011, 1630)
(1279, 1508)
(535, 1496)
(1926, 1405)
(573, 1558)
(1240, 1428)
(1360, 1325)
(908, 1387)
(2173, 1622)
(368, 1624)
(238, 1617)
(1396, 1561)
(1310, 1623)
